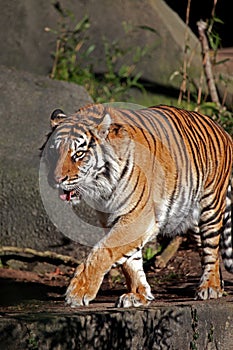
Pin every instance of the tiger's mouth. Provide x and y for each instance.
(69, 195)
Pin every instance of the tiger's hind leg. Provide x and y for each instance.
(139, 289)
(227, 232)
(211, 223)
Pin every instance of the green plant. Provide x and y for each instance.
(210, 334)
(192, 93)
(149, 253)
(218, 113)
(32, 340)
(116, 82)
(70, 57)
(193, 343)
(214, 108)
(73, 56)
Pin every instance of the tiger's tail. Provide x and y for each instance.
(227, 232)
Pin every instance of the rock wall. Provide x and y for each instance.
(26, 103)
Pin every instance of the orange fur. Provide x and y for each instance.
(160, 169)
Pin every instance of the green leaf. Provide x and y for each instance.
(218, 20)
(83, 24)
(222, 61)
(150, 29)
(90, 50)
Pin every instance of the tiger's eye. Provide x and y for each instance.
(79, 154)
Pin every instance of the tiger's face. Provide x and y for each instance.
(82, 162)
(71, 162)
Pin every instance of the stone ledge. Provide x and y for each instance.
(196, 325)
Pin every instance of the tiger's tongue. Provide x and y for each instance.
(66, 196)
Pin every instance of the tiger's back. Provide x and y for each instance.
(183, 157)
(153, 170)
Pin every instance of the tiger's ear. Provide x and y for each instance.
(57, 117)
(104, 126)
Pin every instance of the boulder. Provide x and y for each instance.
(224, 76)
(25, 44)
(25, 107)
(28, 46)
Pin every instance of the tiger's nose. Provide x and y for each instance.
(59, 179)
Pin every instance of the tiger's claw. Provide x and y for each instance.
(134, 300)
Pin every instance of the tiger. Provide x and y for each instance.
(148, 171)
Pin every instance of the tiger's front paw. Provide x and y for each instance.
(82, 289)
(134, 299)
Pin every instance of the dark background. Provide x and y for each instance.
(201, 9)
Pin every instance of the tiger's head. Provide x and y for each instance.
(84, 153)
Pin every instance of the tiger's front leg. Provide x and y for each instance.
(112, 249)
(138, 287)
(83, 288)
(88, 277)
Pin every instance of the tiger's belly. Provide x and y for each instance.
(180, 219)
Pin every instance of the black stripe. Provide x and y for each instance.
(126, 256)
(126, 167)
(210, 234)
(115, 221)
(178, 125)
(139, 200)
(209, 245)
(122, 203)
(211, 218)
